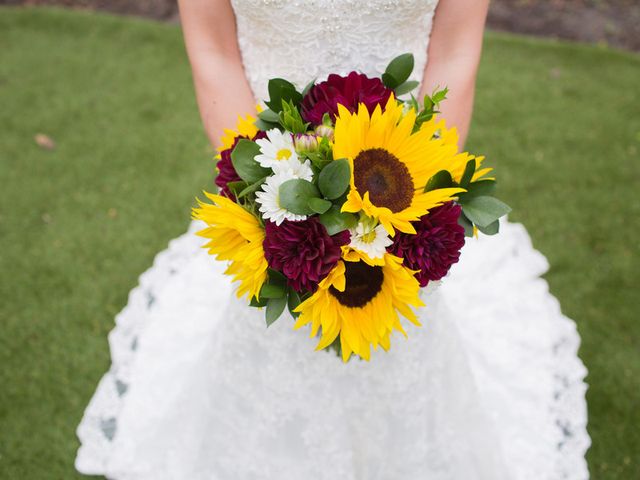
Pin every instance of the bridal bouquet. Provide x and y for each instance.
(341, 201)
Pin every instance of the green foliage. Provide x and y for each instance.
(484, 210)
(243, 159)
(295, 195)
(398, 70)
(430, 105)
(334, 179)
(336, 221)
(282, 91)
(441, 179)
(290, 118)
(573, 182)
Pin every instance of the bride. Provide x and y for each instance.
(489, 388)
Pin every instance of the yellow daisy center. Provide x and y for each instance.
(385, 177)
(283, 154)
(368, 237)
(363, 283)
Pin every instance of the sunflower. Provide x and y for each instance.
(245, 127)
(390, 165)
(234, 234)
(447, 139)
(360, 303)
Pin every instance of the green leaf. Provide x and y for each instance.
(491, 229)
(237, 187)
(275, 307)
(484, 210)
(251, 188)
(276, 277)
(295, 195)
(269, 115)
(398, 70)
(258, 303)
(469, 170)
(243, 160)
(334, 179)
(272, 291)
(439, 95)
(265, 126)
(336, 221)
(466, 223)
(293, 301)
(476, 189)
(406, 87)
(319, 205)
(309, 87)
(290, 118)
(279, 90)
(441, 179)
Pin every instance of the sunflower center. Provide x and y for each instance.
(283, 154)
(363, 283)
(385, 177)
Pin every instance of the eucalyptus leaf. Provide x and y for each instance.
(398, 70)
(469, 170)
(295, 194)
(243, 160)
(293, 301)
(466, 224)
(484, 210)
(272, 291)
(441, 179)
(275, 307)
(258, 303)
(266, 126)
(251, 188)
(477, 188)
(279, 90)
(276, 277)
(319, 205)
(406, 87)
(491, 229)
(334, 179)
(269, 115)
(336, 221)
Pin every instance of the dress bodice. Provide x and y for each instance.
(303, 40)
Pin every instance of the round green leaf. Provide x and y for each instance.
(484, 210)
(319, 205)
(336, 221)
(399, 69)
(275, 307)
(334, 179)
(441, 179)
(243, 160)
(295, 195)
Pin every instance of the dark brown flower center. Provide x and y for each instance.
(363, 283)
(386, 178)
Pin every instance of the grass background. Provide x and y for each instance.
(78, 224)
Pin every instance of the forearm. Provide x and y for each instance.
(222, 90)
(221, 97)
(454, 54)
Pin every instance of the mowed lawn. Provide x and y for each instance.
(80, 222)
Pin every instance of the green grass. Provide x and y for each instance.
(79, 224)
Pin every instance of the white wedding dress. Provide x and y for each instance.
(489, 388)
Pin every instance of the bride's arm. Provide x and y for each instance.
(454, 55)
(222, 90)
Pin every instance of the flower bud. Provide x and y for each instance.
(325, 131)
(305, 143)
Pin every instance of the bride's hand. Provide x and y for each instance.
(222, 89)
(454, 55)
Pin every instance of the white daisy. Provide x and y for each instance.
(269, 196)
(373, 241)
(277, 151)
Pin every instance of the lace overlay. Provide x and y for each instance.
(489, 388)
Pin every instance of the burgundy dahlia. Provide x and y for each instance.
(303, 251)
(355, 88)
(226, 172)
(435, 246)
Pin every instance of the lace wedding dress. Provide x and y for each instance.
(489, 388)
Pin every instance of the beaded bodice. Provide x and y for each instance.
(302, 40)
